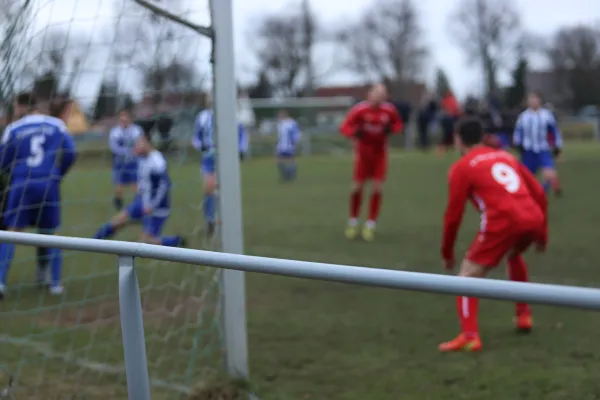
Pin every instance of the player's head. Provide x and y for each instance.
(469, 133)
(143, 145)
(24, 104)
(534, 100)
(377, 94)
(283, 114)
(125, 118)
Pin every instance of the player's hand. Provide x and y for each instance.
(147, 211)
(449, 264)
(203, 148)
(387, 129)
(556, 152)
(358, 134)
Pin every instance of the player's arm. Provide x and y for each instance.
(115, 145)
(350, 125)
(68, 153)
(519, 133)
(556, 135)
(458, 195)
(396, 123)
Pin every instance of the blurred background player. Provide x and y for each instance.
(288, 137)
(369, 124)
(152, 203)
(121, 140)
(535, 130)
(513, 211)
(203, 140)
(39, 152)
(450, 112)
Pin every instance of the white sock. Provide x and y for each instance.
(353, 222)
(370, 224)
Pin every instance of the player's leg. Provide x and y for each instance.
(360, 175)
(517, 272)
(120, 220)
(152, 229)
(549, 174)
(117, 178)
(447, 141)
(291, 167)
(379, 175)
(485, 253)
(209, 205)
(17, 216)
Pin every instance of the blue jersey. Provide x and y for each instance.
(154, 184)
(203, 138)
(37, 148)
(121, 141)
(288, 136)
(533, 130)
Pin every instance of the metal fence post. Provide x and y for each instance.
(132, 329)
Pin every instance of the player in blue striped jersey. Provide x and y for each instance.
(39, 151)
(152, 203)
(203, 141)
(288, 137)
(121, 140)
(539, 140)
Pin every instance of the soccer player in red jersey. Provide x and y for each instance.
(369, 124)
(513, 209)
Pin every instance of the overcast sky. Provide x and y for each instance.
(539, 16)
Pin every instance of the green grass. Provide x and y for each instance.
(312, 339)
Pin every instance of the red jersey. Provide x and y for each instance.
(501, 188)
(372, 122)
(450, 106)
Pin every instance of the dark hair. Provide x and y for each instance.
(126, 110)
(536, 94)
(470, 131)
(26, 99)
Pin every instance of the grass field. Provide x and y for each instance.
(309, 339)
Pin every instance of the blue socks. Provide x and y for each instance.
(170, 241)
(55, 266)
(209, 207)
(105, 231)
(7, 252)
(287, 171)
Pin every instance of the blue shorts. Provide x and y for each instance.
(286, 154)
(209, 165)
(124, 175)
(536, 161)
(33, 205)
(504, 139)
(151, 225)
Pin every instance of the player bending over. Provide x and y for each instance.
(152, 203)
(513, 216)
(288, 137)
(121, 140)
(369, 124)
(535, 126)
(39, 151)
(203, 141)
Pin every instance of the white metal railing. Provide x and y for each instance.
(132, 326)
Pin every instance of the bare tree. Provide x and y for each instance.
(15, 18)
(488, 31)
(574, 55)
(285, 45)
(160, 52)
(386, 44)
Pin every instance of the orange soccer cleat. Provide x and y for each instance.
(462, 343)
(524, 323)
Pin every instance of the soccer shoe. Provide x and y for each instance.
(351, 231)
(524, 323)
(56, 290)
(368, 233)
(462, 343)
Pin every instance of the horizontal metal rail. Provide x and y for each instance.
(564, 296)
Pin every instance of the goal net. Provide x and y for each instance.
(85, 60)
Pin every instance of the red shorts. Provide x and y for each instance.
(370, 165)
(490, 248)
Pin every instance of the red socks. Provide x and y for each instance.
(355, 203)
(375, 205)
(517, 272)
(467, 312)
